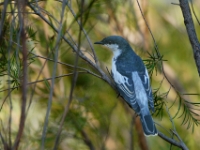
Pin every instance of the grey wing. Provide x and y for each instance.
(126, 89)
(146, 83)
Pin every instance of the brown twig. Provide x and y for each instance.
(5, 144)
(141, 138)
(87, 141)
(131, 132)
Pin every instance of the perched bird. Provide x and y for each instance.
(132, 80)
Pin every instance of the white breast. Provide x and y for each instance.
(115, 49)
(118, 78)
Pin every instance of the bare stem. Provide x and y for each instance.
(184, 4)
(172, 141)
(56, 48)
(21, 6)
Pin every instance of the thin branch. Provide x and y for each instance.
(142, 142)
(158, 56)
(174, 129)
(21, 6)
(87, 140)
(131, 132)
(75, 76)
(80, 54)
(184, 4)
(3, 14)
(68, 65)
(85, 33)
(9, 92)
(155, 44)
(94, 65)
(34, 87)
(170, 118)
(4, 142)
(9, 73)
(179, 144)
(175, 4)
(192, 6)
(172, 141)
(59, 38)
(56, 77)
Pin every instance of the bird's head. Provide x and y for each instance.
(116, 43)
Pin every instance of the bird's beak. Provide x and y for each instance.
(98, 42)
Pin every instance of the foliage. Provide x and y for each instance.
(67, 100)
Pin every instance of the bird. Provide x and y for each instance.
(132, 80)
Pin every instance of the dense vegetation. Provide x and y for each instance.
(56, 88)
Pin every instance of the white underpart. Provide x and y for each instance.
(118, 78)
(140, 92)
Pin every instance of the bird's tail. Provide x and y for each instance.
(148, 125)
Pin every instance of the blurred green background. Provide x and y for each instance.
(96, 112)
